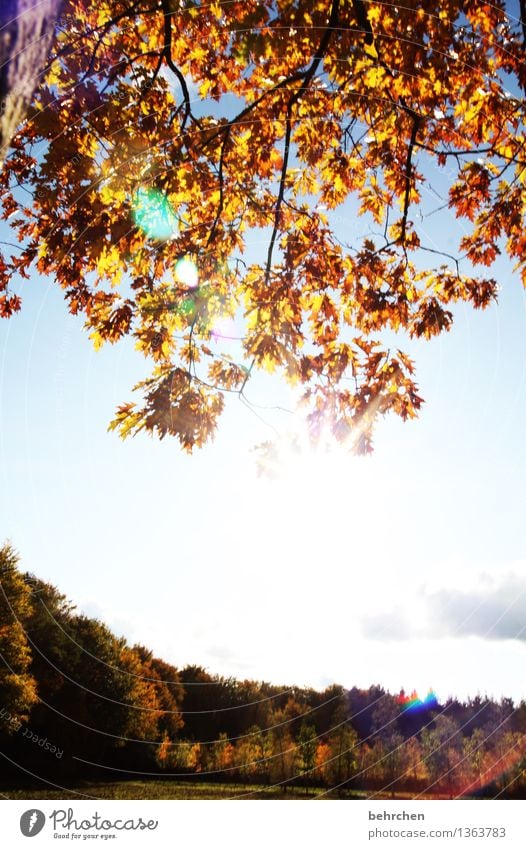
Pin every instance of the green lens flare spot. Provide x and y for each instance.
(188, 306)
(153, 214)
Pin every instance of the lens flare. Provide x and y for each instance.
(153, 213)
(414, 703)
(186, 273)
(187, 307)
(224, 328)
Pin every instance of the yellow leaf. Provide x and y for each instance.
(374, 77)
(97, 340)
(371, 50)
(53, 75)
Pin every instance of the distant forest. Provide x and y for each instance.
(79, 703)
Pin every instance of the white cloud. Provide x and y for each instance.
(456, 600)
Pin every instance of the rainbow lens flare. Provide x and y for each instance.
(186, 273)
(414, 703)
(153, 213)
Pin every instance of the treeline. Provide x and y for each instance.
(77, 702)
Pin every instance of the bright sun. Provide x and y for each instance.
(325, 564)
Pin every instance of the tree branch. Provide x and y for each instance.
(281, 191)
(167, 53)
(221, 189)
(408, 168)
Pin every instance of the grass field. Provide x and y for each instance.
(163, 790)
(190, 790)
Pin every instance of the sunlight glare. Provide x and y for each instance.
(225, 328)
(186, 273)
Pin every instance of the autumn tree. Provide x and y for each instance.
(389, 740)
(442, 743)
(306, 750)
(18, 690)
(204, 702)
(45, 624)
(163, 135)
(98, 692)
(474, 752)
(253, 754)
(94, 689)
(342, 743)
(222, 755)
(167, 688)
(281, 721)
(415, 770)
